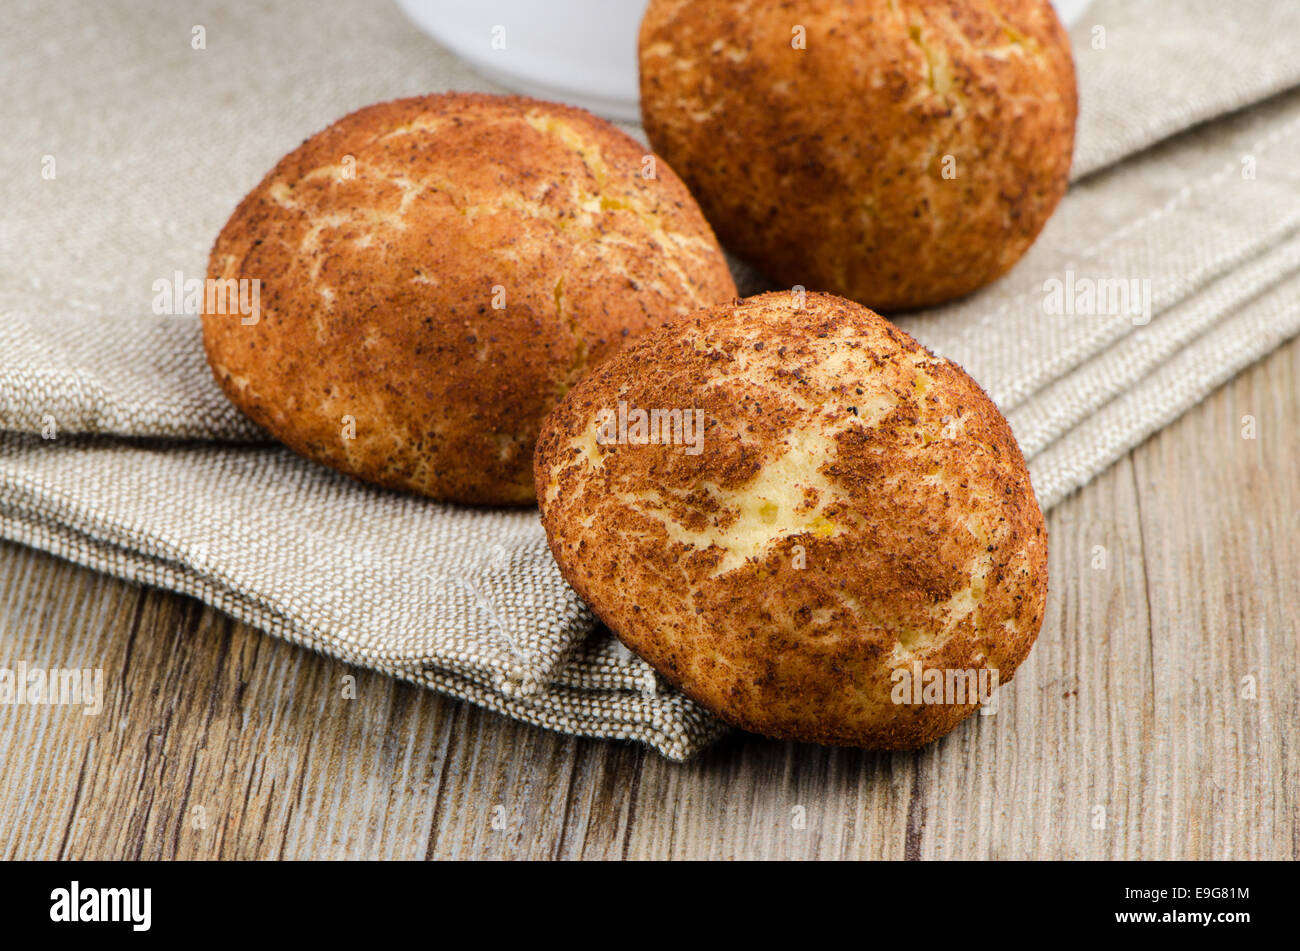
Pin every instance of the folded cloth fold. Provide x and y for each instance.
(1173, 263)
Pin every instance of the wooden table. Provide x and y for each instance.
(1131, 731)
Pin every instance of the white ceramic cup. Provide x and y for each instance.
(577, 51)
(581, 52)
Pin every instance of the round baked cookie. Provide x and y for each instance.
(898, 152)
(436, 272)
(833, 519)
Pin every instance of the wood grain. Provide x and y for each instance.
(1125, 735)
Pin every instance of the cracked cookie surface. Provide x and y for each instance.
(856, 506)
(908, 153)
(436, 272)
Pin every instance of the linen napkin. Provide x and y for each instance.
(128, 136)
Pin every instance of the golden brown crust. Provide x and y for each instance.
(378, 287)
(826, 165)
(858, 505)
